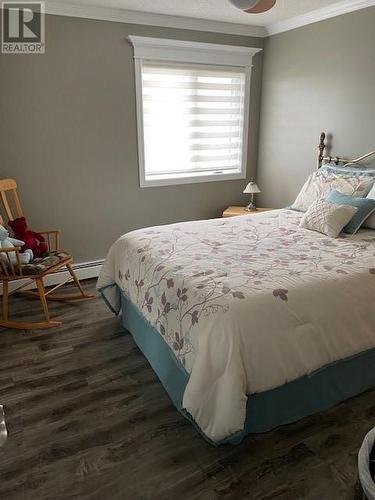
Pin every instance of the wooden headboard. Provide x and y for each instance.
(324, 149)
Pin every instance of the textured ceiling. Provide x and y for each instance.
(215, 10)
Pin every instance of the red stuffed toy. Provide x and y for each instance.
(33, 241)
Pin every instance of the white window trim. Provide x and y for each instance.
(158, 49)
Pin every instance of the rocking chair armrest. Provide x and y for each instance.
(9, 270)
(52, 232)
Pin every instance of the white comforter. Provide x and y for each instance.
(246, 303)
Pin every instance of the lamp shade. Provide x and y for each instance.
(252, 188)
(260, 7)
(253, 6)
(244, 4)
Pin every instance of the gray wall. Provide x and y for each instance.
(68, 135)
(319, 77)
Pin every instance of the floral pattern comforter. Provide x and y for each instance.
(246, 303)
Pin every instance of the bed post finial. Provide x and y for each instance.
(321, 149)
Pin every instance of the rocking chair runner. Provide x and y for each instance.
(14, 272)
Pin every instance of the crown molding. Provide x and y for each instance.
(334, 10)
(58, 8)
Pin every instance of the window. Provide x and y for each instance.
(192, 111)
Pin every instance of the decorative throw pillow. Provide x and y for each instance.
(327, 218)
(321, 183)
(354, 169)
(370, 222)
(365, 206)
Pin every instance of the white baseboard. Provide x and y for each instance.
(84, 271)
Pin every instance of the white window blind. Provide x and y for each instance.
(193, 119)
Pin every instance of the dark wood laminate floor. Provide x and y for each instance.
(87, 418)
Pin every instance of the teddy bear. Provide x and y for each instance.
(6, 242)
(33, 241)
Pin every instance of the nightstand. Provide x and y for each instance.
(233, 211)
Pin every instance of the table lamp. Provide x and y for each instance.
(251, 188)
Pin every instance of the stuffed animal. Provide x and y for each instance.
(6, 242)
(33, 241)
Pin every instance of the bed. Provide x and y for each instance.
(249, 322)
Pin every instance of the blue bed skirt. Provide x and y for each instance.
(267, 410)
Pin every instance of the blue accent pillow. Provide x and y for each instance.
(366, 207)
(355, 170)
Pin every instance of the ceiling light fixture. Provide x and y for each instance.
(253, 6)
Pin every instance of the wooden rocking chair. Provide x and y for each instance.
(13, 272)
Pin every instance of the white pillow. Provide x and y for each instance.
(327, 218)
(321, 183)
(370, 222)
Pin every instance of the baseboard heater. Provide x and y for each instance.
(84, 271)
